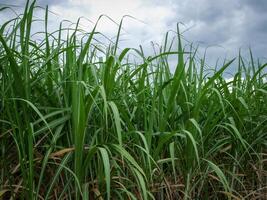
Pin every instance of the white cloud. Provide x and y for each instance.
(150, 24)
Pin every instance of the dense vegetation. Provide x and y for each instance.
(80, 120)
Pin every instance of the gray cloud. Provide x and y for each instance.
(230, 24)
(225, 23)
(257, 5)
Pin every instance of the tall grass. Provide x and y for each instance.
(75, 124)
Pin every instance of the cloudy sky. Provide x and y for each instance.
(224, 26)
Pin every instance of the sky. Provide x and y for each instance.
(221, 27)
